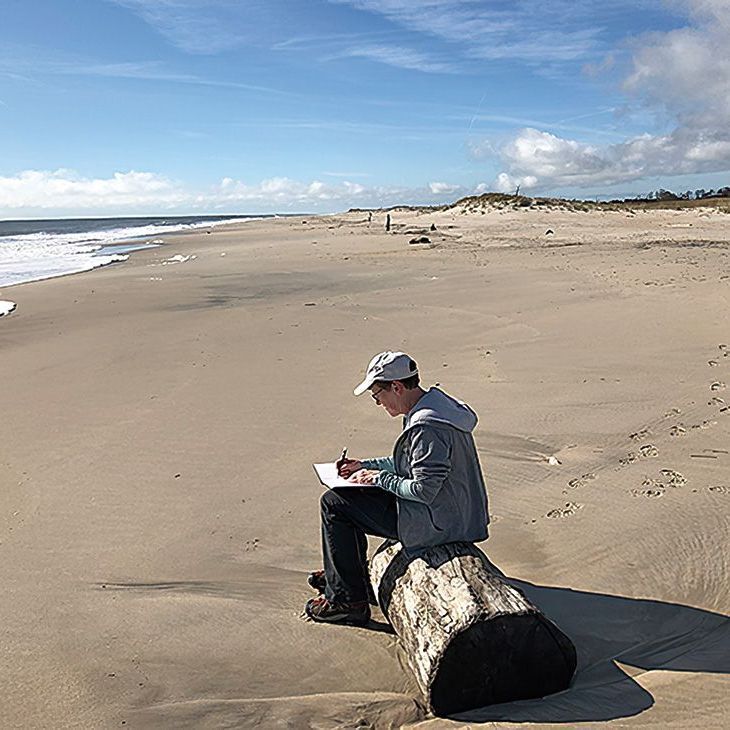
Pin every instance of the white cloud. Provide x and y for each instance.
(439, 188)
(683, 75)
(39, 189)
(64, 192)
(505, 183)
(534, 158)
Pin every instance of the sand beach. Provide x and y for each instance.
(159, 511)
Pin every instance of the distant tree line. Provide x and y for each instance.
(699, 194)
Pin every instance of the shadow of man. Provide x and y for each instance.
(608, 629)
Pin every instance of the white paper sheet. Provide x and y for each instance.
(327, 474)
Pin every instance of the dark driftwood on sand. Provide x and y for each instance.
(469, 637)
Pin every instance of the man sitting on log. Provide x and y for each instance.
(430, 492)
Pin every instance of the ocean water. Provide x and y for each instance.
(41, 249)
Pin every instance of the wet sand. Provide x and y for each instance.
(159, 508)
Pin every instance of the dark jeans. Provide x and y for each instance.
(348, 515)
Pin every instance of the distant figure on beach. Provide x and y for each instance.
(429, 492)
(370, 216)
(387, 222)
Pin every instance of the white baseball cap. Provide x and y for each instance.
(387, 366)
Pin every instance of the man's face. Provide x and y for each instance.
(388, 397)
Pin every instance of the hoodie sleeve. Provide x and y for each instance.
(381, 463)
(430, 464)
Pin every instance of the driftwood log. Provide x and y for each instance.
(470, 638)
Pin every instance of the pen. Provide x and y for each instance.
(344, 454)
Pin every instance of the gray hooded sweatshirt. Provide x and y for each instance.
(435, 474)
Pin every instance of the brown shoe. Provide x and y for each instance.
(324, 611)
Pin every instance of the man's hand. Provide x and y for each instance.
(364, 476)
(347, 467)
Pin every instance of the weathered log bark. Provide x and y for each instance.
(469, 637)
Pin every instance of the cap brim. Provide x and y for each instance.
(363, 386)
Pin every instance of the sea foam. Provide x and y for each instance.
(44, 254)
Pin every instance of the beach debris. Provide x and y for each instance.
(178, 258)
(223, 254)
(553, 460)
(420, 239)
(549, 232)
(433, 227)
(7, 307)
(310, 304)
(155, 278)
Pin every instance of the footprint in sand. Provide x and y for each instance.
(716, 401)
(704, 425)
(649, 488)
(677, 430)
(581, 481)
(648, 451)
(570, 508)
(672, 478)
(639, 435)
(719, 489)
(713, 363)
(718, 385)
(672, 412)
(658, 487)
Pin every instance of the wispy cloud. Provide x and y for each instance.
(395, 56)
(152, 71)
(196, 26)
(532, 31)
(26, 64)
(554, 31)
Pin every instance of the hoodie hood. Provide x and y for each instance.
(438, 407)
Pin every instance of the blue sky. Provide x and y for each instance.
(114, 107)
